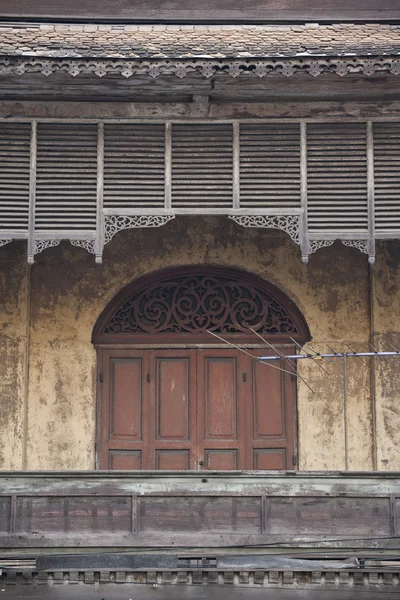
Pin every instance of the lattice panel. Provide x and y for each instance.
(199, 302)
(202, 165)
(134, 165)
(270, 165)
(387, 176)
(66, 186)
(337, 177)
(14, 176)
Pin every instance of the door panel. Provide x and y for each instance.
(211, 409)
(172, 460)
(125, 406)
(125, 461)
(221, 410)
(126, 398)
(220, 396)
(272, 434)
(172, 398)
(221, 460)
(268, 405)
(172, 425)
(269, 460)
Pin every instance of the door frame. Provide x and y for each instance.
(109, 333)
(290, 392)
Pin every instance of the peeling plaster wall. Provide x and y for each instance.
(13, 344)
(68, 292)
(385, 284)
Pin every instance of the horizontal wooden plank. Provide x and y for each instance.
(225, 10)
(99, 509)
(262, 109)
(209, 515)
(181, 592)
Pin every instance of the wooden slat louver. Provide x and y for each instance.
(14, 176)
(202, 166)
(134, 165)
(337, 177)
(270, 165)
(387, 176)
(66, 183)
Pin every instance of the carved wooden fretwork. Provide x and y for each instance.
(4, 242)
(201, 303)
(290, 224)
(88, 245)
(361, 245)
(261, 67)
(115, 224)
(318, 244)
(41, 245)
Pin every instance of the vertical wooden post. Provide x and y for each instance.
(168, 166)
(236, 164)
(32, 194)
(13, 514)
(304, 240)
(134, 514)
(345, 410)
(371, 192)
(100, 233)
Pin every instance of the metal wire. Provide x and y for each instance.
(340, 355)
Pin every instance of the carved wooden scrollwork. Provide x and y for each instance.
(262, 67)
(201, 302)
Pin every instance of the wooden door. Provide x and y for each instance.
(271, 404)
(124, 410)
(172, 420)
(195, 409)
(221, 410)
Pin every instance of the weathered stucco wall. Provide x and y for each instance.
(13, 345)
(68, 291)
(385, 284)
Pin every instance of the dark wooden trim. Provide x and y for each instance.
(393, 514)
(221, 11)
(13, 513)
(99, 396)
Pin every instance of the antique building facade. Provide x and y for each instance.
(200, 170)
(176, 199)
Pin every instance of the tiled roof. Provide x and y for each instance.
(197, 41)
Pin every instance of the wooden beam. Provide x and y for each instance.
(63, 110)
(99, 242)
(220, 11)
(32, 194)
(168, 166)
(371, 192)
(236, 165)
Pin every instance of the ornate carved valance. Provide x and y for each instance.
(198, 300)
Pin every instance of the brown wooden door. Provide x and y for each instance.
(124, 441)
(172, 422)
(221, 410)
(195, 409)
(271, 405)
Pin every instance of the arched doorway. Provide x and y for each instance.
(174, 397)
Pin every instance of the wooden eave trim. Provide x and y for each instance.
(235, 66)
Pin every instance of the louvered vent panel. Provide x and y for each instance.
(202, 166)
(387, 176)
(270, 165)
(14, 176)
(337, 177)
(134, 166)
(66, 185)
